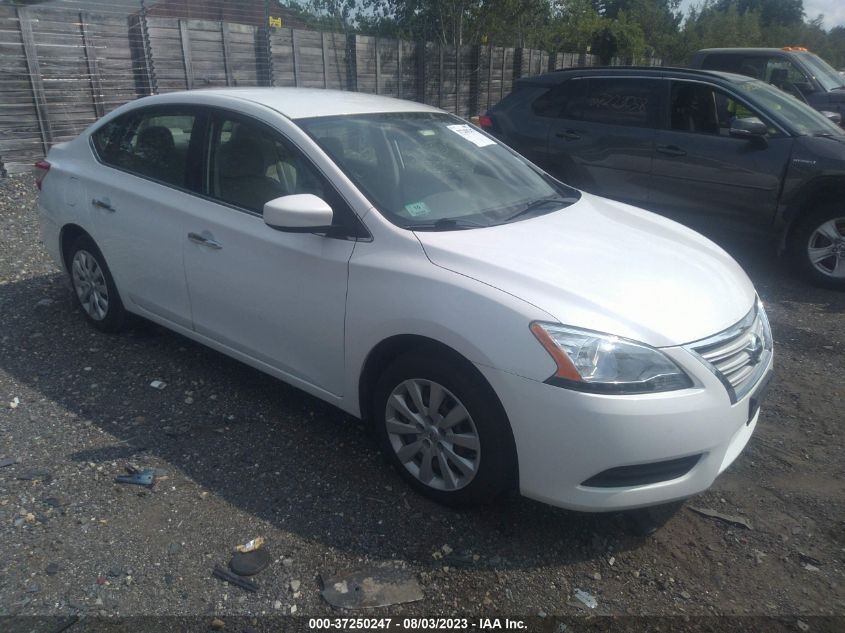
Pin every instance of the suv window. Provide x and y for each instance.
(251, 164)
(705, 109)
(563, 101)
(633, 102)
(151, 143)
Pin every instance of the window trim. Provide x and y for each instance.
(141, 111)
(667, 110)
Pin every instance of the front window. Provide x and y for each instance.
(823, 72)
(433, 171)
(805, 120)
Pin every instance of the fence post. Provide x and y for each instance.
(185, 38)
(399, 76)
(264, 47)
(440, 76)
(227, 62)
(93, 68)
(296, 73)
(419, 59)
(146, 51)
(517, 64)
(474, 81)
(378, 66)
(325, 56)
(352, 62)
(34, 71)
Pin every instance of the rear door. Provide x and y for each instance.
(701, 173)
(603, 140)
(138, 196)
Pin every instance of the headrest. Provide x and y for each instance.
(156, 137)
(240, 158)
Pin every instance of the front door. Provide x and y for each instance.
(277, 297)
(702, 174)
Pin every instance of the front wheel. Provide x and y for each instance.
(818, 246)
(442, 427)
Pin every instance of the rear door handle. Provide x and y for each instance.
(196, 238)
(671, 150)
(569, 135)
(103, 204)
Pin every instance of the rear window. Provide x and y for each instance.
(562, 101)
(633, 102)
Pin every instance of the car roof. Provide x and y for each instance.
(299, 103)
(558, 76)
(751, 51)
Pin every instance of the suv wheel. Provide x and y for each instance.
(443, 429)
(94, 287)
(819, 245)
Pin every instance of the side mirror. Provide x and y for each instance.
(833, 117)
(298, 213)
(750, 127)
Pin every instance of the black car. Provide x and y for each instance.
(706, 148)
(794, 69)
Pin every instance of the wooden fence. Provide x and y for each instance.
(60, 70)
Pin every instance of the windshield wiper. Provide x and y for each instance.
(539, 204)
(445, 224)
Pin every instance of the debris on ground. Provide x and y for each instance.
(158, 384)
(14, 403)
(376, 587)
(249, 563)
(251, 546)
(727, 518)
(144, 478)
(234, 579)
(585, 598)
(217, 624)
(8, 461)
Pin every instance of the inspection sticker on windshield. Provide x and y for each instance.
(417, 208)
(473, 136)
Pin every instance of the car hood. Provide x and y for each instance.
(605, 266)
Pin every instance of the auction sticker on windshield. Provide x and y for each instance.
(473, 136)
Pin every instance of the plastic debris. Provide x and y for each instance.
(8, 461)
(378, 587)
(727, 518)
(249, 563)
(233, 579)
(144, 478)
(158, 384)
(14, 403)
(251, 546)
(587, 599)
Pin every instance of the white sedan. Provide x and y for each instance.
(501, 329)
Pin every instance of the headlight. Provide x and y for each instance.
(603, 363)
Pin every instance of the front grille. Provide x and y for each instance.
(739, 355)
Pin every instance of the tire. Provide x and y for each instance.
(93, 286)
(822, 231)
(472, 472)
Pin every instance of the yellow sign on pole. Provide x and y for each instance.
(275, 22)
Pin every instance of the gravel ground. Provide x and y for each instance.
(239, 454)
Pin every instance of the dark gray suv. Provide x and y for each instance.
(705, 148)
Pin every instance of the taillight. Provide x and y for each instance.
(41, 169)
(485, 122)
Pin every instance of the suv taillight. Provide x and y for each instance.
(41, 169)
(485, 122)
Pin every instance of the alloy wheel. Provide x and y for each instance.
(89, 282)
(826, 248)
(433, 434)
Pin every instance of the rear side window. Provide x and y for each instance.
(564, 101)
(153, 144)
(729, 63)
(633, 102)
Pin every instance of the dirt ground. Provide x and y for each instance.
(239, 454)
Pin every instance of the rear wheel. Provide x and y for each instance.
(442, 427)
(94, 287)
(818, 245)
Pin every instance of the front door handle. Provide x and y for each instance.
(569, 135)
(196, 238)
(103, 204)
(671, 150)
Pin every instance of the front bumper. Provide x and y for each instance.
(565, 437)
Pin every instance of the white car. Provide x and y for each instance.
(501, 329)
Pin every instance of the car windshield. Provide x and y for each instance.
(804, 120)
(433, 171)
(824, 73)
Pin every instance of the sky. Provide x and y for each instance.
(833, 10)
